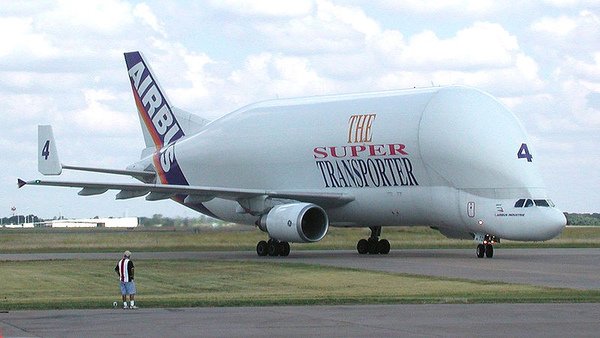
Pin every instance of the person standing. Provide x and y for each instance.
(125, 270)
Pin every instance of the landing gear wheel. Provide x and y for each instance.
(480, 250)
(489, 251)
(372, 246)
(285, 249)
(362, 246)
(262, 248)
(383, 247)
(273, 248)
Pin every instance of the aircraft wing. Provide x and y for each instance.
(194, 193)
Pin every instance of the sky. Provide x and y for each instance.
(61, 63)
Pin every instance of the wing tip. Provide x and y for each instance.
(20, 183)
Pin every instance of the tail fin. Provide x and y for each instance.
(159, 124)
(48, 163)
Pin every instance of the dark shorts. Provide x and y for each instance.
(128, 288)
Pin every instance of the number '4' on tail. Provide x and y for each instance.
(48, 163)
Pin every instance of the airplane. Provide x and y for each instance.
(451, 158)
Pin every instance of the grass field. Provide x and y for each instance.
(105, 240)
(93, 284)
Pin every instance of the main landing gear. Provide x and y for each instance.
(373, 245)
(273, 247)
(486, 248)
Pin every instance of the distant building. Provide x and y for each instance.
(18, 226)
(125, 222)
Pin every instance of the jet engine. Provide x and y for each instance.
(295, 222)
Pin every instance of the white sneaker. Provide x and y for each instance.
(133, 307)
(125, 307)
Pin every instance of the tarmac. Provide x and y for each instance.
(403, 320)
(563, 268)
(566, 268)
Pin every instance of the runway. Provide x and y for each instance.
(404, 320)
(564, 268)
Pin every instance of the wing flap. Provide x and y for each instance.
(158, 196)
(87, 191)
(127, 194)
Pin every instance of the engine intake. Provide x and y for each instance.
(295, 222)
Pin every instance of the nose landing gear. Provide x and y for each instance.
(486, 245)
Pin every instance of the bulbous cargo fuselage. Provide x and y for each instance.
(450, 157)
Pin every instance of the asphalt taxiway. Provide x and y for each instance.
(403, 320)
(564, 268)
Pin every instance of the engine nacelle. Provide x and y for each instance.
(295, 222)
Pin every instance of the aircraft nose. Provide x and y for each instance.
(556, 222)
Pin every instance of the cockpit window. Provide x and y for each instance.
(541, 203)
(526, 203)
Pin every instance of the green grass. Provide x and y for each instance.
(93, 284)
(106, 240)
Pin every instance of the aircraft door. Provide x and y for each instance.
(471, 209)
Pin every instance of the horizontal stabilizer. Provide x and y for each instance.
(145, 176)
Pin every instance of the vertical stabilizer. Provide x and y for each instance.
(159, 124)
(48, 162)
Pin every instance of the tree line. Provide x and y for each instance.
(160, 220)
(582, 219)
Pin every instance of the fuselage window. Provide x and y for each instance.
(520, 203)
(528, 204)
(541, 203)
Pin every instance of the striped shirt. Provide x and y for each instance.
(125, 270)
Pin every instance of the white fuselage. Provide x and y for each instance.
(444, 157)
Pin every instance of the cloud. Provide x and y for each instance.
(61, 62)
(267, 8)
(76, 18)
(461, 7)
(19, 38)
(483, 55)
(329, 29)
(482, 45)
(570, 3)
(98, 116)
(20, 109)
(586, 115)
(334, 37)
(560, 26)
(143, 12)
(585, 71)
(575, 34)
